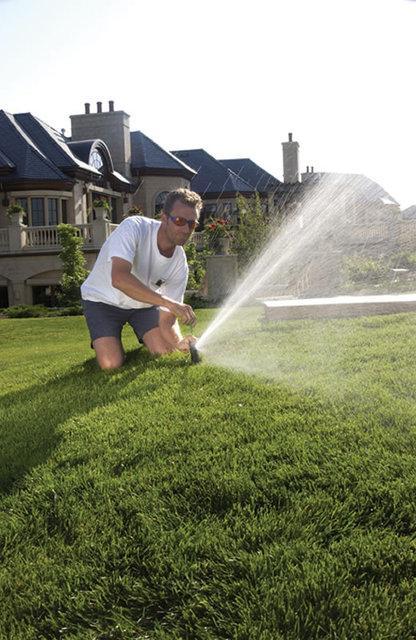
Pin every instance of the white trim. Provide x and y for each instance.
(35, 194)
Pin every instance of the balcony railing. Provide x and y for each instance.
(369, 234)
(47, 237)
(19, 238)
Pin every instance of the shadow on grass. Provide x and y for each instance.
(29, 419)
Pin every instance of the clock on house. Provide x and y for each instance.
(96, 160)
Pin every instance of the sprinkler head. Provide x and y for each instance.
(195, 356)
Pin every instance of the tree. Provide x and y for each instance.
(252, 230)
(74, 271)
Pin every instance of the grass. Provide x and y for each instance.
(166, 501)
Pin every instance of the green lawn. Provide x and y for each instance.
(169, 501)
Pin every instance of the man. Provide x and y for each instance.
(140, 277)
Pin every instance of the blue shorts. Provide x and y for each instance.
(106, 320)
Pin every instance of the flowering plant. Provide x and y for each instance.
(219, 228)
(135, 211)
(14, 208)
(101, 202)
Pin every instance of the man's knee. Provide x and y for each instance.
(109, 352)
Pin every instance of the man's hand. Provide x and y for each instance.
(185, 343)
(184, 312)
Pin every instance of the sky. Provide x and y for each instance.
(230, 76)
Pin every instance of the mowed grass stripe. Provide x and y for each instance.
(172, 501)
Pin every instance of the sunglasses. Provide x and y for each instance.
(181, 222)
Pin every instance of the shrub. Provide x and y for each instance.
(26, 311)
(365, 269)
(74, 272)
(198, 302)
(252, 230)
(39, 311)
(196, 264)
(75, 310)
(404, 260)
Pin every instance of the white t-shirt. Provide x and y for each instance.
(135, 240)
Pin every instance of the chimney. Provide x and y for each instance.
(63, 132)
(307, 169)
(87, 107)
(311, 169)
(111, 126)
(290, 161)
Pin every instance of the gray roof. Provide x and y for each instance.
(6, 165)
(409, 213)
(32, 151)
(252, 173)
(148, 157)
(29, 162)
(364, 187)
(212, 179)
(52, 144)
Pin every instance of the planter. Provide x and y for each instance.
(222, 246)
(101, 213)
(16, 219)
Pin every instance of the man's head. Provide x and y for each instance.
(180, 214)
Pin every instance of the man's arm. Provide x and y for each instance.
(125, 281)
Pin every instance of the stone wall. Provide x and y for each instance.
(20, 273)
(151, 186)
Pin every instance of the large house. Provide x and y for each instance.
(56, 178)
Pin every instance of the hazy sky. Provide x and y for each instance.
(233, 77)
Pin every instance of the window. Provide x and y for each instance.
(210, 210)
(160, 201)
(114, 210)
(46, 295)
(64, 211)
(226, 211)
(38, 212)
(43, 211)
(4, 297)
(53, 211)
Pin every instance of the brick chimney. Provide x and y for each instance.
(290, 161)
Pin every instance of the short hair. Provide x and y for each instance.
(187, 197)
